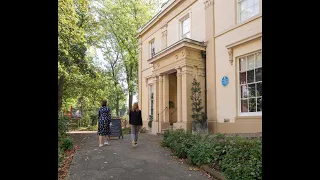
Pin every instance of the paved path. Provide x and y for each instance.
(121, 161)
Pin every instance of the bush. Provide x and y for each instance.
(143, 130)
(126, 130)
(243, 159)
(150, 121)
(60, 155)
(63, 123)
(237, 157)
(67, 144)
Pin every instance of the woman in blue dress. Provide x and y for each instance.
(104, 123)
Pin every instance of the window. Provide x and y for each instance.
(150, 100)
(250, 84)
(185, 27)
(247, 9)
(152, 49)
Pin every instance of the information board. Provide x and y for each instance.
(116, 129)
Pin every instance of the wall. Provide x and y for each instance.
(227, 96)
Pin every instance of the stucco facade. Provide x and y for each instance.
(206, 40)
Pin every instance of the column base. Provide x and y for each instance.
(154, 129)
(182, 125)
(163, 126)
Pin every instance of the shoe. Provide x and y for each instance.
(100, 145)
(135, 144)
(106, 143)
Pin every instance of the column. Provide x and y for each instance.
(165, 102)
(186, 83)
(155, 98)
(179, 102)
(160, 98)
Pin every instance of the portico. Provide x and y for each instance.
(173, 71)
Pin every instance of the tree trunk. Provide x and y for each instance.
(130, 100)
(118, 108)
(60, 91)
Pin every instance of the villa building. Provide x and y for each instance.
(217, 42)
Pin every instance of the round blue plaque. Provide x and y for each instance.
(225, 81)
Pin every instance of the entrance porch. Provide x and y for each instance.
(173, 71)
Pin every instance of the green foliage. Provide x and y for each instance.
(236, 157)
(60, 155)
(126, 130)
(63, 123)
(150, 121)
(243, 159)
(196, 100)
(199, 117)
(89, 128)
(67, 144)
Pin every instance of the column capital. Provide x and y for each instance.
(155, 79)
(161, 78)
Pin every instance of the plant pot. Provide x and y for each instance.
(199, 127)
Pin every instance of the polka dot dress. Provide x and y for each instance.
(104, 121)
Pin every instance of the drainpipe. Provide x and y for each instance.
(203, 54)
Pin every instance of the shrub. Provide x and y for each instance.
(60, 155)
(63, 123)
(180, 141)
(201, 153)
(150, 121)
(126, 130)
(67, 144)
(237, 157)
(143, 130)
(243, 159)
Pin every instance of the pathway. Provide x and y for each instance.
(121, 161)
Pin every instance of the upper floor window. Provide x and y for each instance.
(247, 9)
(152, 49)
(250, 84)
(185, 26)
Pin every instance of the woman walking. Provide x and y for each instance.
(135, 120)
(104, 123)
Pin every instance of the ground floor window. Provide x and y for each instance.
(151, 100)
(250, 84)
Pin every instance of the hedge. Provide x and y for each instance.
(236, 157)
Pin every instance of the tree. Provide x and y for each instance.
(198, 116)
(71, 42)
(123, 19)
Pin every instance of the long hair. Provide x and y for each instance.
(135, 107)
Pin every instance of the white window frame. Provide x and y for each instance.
(239, 11)
(183, 18)
(152, 42)
(239, 86)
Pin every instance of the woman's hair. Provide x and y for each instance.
(135, 107)
(104, 103)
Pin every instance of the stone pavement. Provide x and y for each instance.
(121, 161)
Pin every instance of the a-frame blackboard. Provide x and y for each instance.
(116, 128)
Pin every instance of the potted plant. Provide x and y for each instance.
(199, 118)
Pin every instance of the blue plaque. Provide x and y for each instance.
(225, 81)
